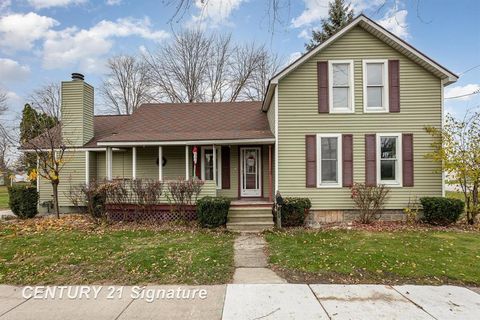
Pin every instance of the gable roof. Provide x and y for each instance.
(182, 122)
(380, 32)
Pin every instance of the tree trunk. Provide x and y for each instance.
(56, 208)
(475, 206)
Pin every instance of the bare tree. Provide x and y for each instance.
(196, 67)
(3, 101)
(47, 100)
(267, 66)
(178, 68)
(50, 152)
(219, 61)
(5, 145)
(47, 144)
(126, 85)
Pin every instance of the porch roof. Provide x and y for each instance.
(175, 122)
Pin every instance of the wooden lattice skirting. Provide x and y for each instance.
(153, 213)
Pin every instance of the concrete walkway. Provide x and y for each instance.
(249, 301)
(251, 261)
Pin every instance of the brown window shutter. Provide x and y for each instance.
(322, 83)
(407, 158)
(311, 160)
(198, 168)
(347, 159)
(394, 85)
(225, 167)
(370, 160)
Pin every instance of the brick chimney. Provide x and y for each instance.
(77, 111)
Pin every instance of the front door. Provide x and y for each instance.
(250, 172)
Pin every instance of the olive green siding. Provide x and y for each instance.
(88, 101)
(72, 174)
(233, 191)
(271, 115)
(420, 102)
(77, 112)
(234, 173)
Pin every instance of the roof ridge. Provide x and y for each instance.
(191, 103)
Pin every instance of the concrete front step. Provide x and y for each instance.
(249, 226)
(254, 216)
(260, 218)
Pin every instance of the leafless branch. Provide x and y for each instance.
(126, 85)
(197, 67)
(47, 100)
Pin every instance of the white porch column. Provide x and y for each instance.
(160, 163)
(214, 164)
(109, 163)
(187, 164)
(134, 163)
(87, 167)
(38, 174)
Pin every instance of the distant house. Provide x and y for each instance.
(352, 109)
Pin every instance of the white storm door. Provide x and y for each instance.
(250, 172)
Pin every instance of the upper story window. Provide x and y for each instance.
(389, 159)
(341, 90)
(329, 159)
(375, 85)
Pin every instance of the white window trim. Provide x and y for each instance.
(385, 97)
(219, 164)
(339, 161)
(351, 97)
(398, 169)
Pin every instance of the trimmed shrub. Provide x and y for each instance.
(294, 211)
(212, 211)
(95, 197)
(23, 201)
(441, 211)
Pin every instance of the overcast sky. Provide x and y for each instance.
(45, 40)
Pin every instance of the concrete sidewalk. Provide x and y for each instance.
(250, 301)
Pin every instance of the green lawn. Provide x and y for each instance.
(115, 257)
(349, 256)
(3, 197)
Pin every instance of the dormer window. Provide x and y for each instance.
(341, 91)
(375, 85)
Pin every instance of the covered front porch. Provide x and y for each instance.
(236, 171)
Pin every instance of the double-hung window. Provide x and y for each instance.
(341, 91)
(329, 160)
(208, 167)
(375, 85)
(389, 162)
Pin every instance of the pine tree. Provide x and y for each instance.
(29, 129)
(339, 15)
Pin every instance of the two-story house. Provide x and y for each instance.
(351, 110)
